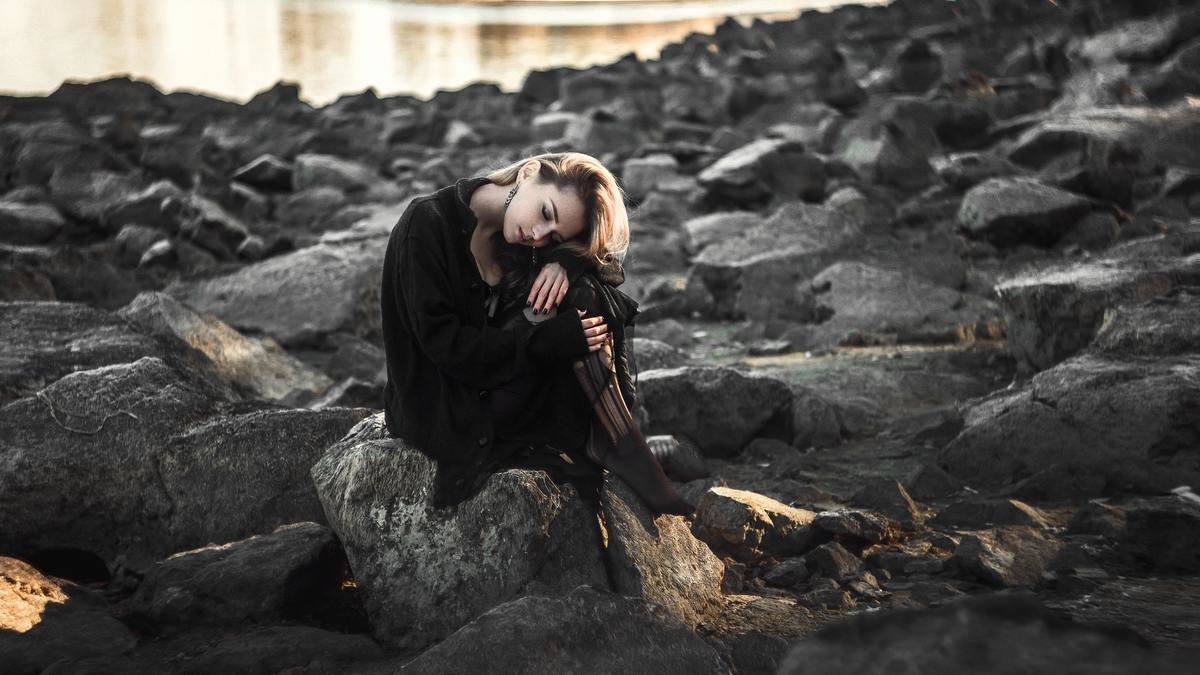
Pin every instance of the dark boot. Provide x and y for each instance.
(616, 442)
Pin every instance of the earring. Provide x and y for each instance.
(510, 196)
(533, 257)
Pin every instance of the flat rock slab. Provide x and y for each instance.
(297, 298)
(425, 572)
(584, 631)
(991, 634)
(141, 461)
(1055, 312)
(1010, 211)
(718, 408)
(1136, 423)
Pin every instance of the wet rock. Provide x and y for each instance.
(1007, 556)
(749, 524)
(44, 619)
(29, 223)
(165, 469)
(657, 558)
(1163, 534)
(764, 169)
(977, 514)
(717, 407)
(1009, 211)
(1021, 634)
(858, 526)
(853, 297)
(586, 627)
(422, 570)
(1132, 422)
(833, 561)
(297, 298)
(255, 371)
(264, 578)
(889, 498)
(755, 275)
(1053, 313)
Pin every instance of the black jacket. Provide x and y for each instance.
(443, 356)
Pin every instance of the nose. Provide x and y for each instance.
(538, 232)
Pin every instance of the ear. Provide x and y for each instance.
(529, 169)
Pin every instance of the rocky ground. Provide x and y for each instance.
(920, 308)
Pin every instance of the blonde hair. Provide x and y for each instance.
(606, 221)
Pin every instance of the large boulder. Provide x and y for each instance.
(136, 461)
(754, 274)
(268, 577)
(1135, 423)
(425, 572)
(748, 524)
(990, 634)
(718, 408)
(1054, 312)
(256, 371)
(856, 298)
(297, 298)
(584, 631)
(1010, 211)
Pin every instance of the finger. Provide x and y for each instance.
(542, 303)
(537, 285)
(560, 290)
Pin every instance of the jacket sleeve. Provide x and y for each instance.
(479, 356)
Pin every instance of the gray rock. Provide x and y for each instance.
(719, 408)
(755, 275)
(965, 170)
(864, 526)
(313, 170)
(788, 573)
(255, 371)
(29, 223)
(1163, 534)
(833, 561)
(764, 169)
(887, 157)
(853, 298)
(134, 240)
(90, 196)
(272, 649)
(1006, 557)
(152, 465)
(267, 172)
(982, 513)
(1053, 313)
(1132, 422)
(1010, 211)
(888, 497)
(815, 421)
(1021, 635)
(46, 619)
(657, 558)
(264, 578)
(652, 354)
(641, 175)
(297, 298)
(1162, 326)
(426, 572)
(714, 227)
(930, 481)
(1099, 519)
(585, 630)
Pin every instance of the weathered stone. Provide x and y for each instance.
(815, 421)
(863, 526)
(1097, 518)
(755, 275)
(714, 227)
(312, 170)
(580, 631)
(657, 558)
(652, 354)
(717, 407)
(297, 298)
(1163, 534)
(268, 577)
(425, 572)
(255, 371)
(1008, 556)
(1162, 326)
(90, 196)
(1135, 423)
(44, 619)
(29, 223)
(641, 175)
(152, 465)
(1010, 211)
(749, 524)
(1053, 313)
(887, 157)
(832, 561)
(930, 481)
(1021, 635)
(981, 513)
(853, 297)
(888, 497)
(764, 169)
(788, 573)
(267, 172)
(965, 170)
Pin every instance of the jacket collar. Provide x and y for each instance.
(462, 191)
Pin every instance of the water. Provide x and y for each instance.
(235, 48)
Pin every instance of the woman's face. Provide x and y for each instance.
(541, 214)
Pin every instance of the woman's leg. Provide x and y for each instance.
(616, 441)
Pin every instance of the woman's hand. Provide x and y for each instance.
(548, 289)
(595, 329)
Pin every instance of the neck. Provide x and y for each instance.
(488, 207)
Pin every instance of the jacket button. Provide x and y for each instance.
(483, 393)
(483, 440)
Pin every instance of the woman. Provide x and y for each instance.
(476, 379)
